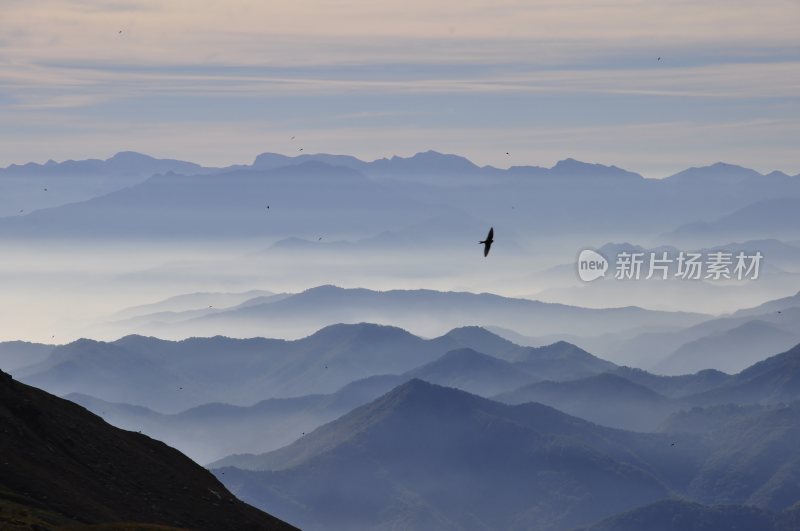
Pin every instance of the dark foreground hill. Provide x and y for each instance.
(61, 465)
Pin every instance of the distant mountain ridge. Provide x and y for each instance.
(424, 311)
(384, 190)
(170, 376)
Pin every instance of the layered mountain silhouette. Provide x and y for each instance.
(427, 312)
(428, 457)
(474, 372)
(17, 354)
(22, 186)
(731, 350)
(770, 218)
(423, 456)
(211, 431)
(606, 399)
(774, 380)
(730, 342)
(675, 386)
(63, 466)
(229, 201)
(169, 376)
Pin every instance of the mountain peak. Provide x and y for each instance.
(718, 171)
(130, 156)
(425, 160)
(574, 168)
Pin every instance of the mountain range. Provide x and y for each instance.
(428, 457)
(309, 192)
(426, 312)
(422, 456)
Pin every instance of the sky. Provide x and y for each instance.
(219, 82)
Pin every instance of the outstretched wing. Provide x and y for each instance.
(490, 237)
(486, 247)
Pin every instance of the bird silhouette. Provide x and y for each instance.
(659, 58)
(487, 243)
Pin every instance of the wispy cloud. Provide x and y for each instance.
(468, 69)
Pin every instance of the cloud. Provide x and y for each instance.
(468, 68)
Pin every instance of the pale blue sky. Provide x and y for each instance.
(218, 82)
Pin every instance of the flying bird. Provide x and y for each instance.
(301, 149)
(487, 243)
(659, 58)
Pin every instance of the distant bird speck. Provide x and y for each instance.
(292, 138)
(659, 58)
(301, 149)
(45, 189)
(507, 153)
(487, 243)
